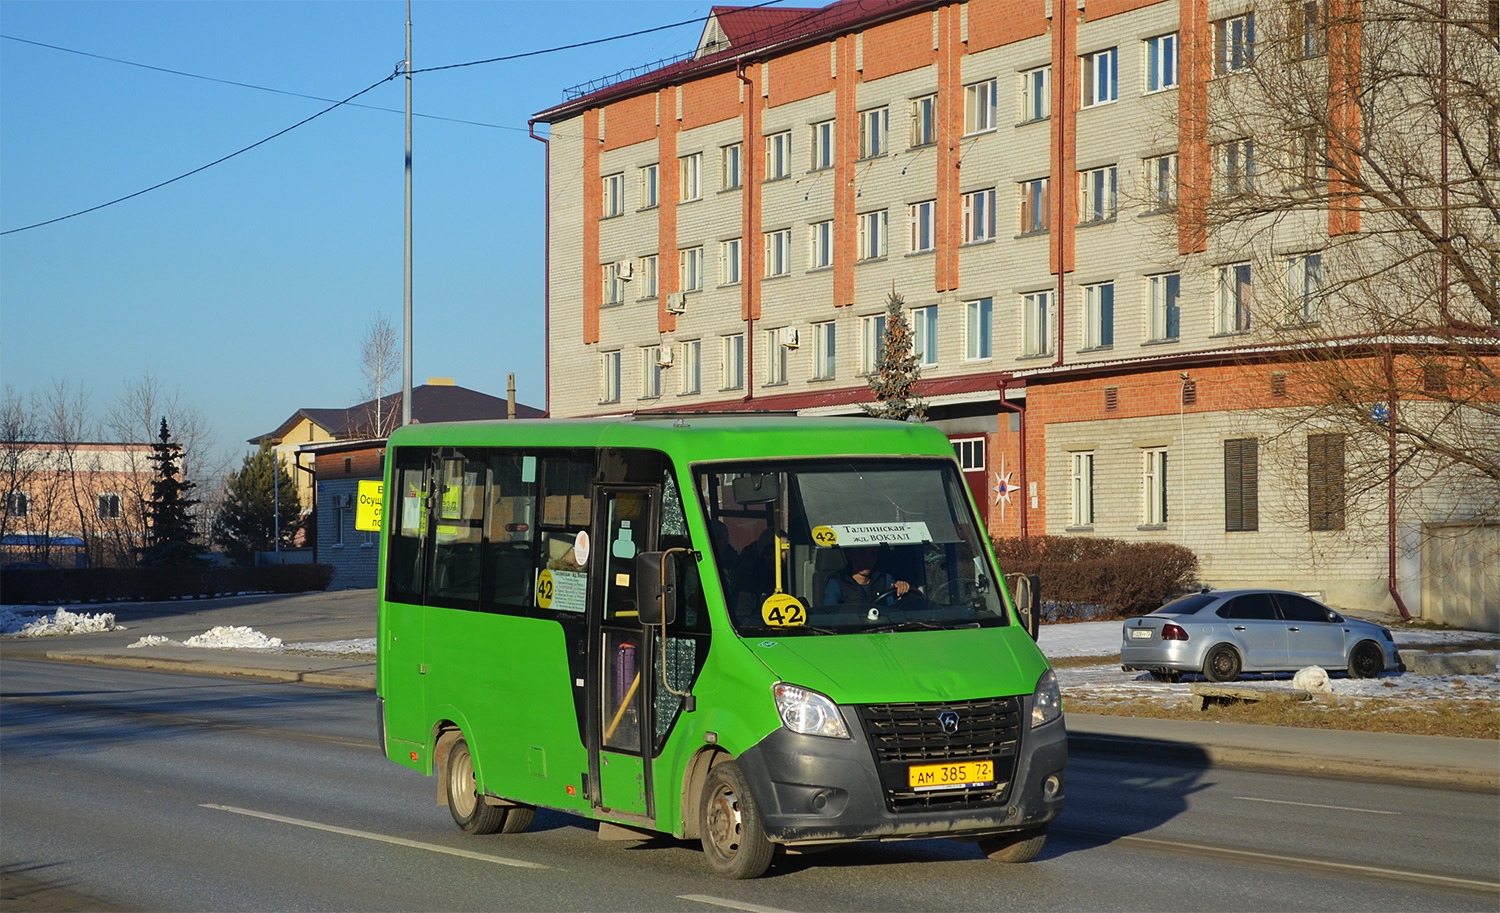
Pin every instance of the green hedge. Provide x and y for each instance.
(1084, 578)
(156, 584)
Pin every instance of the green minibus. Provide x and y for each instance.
(756, 631)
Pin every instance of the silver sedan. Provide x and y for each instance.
(1224, 633)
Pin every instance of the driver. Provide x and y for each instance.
(861, 584)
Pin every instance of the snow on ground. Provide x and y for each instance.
(53, 624)
(222, 637)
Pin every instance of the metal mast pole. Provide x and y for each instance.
(406, 333)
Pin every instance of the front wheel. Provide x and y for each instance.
(470, 812)
(1366, 660)
(1016, 846)
(1222, 664)
(734, 842)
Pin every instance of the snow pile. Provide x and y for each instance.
(56, 623)
(221, 637)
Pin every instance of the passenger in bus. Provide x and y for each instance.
(862, 581)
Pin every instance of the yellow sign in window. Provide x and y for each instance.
(367, 511)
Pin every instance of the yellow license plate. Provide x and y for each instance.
(951, 776)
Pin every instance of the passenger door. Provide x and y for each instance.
(1260, 632)
(1311, 639)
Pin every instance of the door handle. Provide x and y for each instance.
(1239, 627)
(1294, 630)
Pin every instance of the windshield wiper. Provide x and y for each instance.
(913, 625)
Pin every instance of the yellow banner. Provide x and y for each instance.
(367, 512)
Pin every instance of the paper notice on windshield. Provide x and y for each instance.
(848, 535)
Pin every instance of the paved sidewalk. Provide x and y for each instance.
(347, 615)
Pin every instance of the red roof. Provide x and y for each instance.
(754, 34)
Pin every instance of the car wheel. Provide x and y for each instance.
(1016, 846)
(734, 842)
(1366, 660)
(1169, 677)
(470, 812)
(1222, 664)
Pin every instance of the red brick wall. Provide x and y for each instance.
(949, 127)
(800, 74)
(1003, 22)
(1064, 187)
(1344, 47)
(1193, 167)
(896, 47)
(710, 100)
(630, 121)
(669, 176)
(1101, 9)
(845, 149)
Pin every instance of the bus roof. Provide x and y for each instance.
(693, 436)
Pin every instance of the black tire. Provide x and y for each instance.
(1222, 664)
(1016, 846)
(1366, 660)
(517, 818)
(1169, 677)
(470, 812)
(734, 842)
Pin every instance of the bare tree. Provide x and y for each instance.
(18, 464)
(379, 360)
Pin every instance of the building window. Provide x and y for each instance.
(1081, 487)
(1234, 44)
(1034, 205)
(820, 245)
(970, 453)
(1236, 160)
(1241, 486)
(1162, 293)
(777, 356)
(648, 277)
(979, 216)
(1310, 28)
(778, 155)
(691, 168)
(979, 107)
(1235, 295)
(924, 120)
(1100, 82)
(1154, 486)
(924, 329)
(692, 366)
(1036, 319)
(729, 262)
(873, 228)
(778, 252)
(1325, 481)
(1304, 288)
(692, 269)
(872, 337)
(1036, 94)
(873, 125)
(1096, 194)
(824, 350)
(18, 505)
(978, 328)
(614, 284)
(651, 368)
(1161, 62)
(649, 186)
(614, 195)
(1099, 315)
(733, 351)
(733, 175)
(1161, 182)
(822, 145)
(922, 228)
(609, 377)
(1309, 152)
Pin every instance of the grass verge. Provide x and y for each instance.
(1454, 719)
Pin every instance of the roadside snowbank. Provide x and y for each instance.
(55, 624)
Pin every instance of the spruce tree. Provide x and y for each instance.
(171, 538)
(243, 524)
(894, 380)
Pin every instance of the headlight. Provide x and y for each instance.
(1046, 701)
(808, 712)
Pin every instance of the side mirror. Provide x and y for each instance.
(656, 587)
(1026, 591)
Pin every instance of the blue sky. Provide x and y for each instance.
(250, 285)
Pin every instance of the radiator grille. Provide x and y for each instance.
(901, 735)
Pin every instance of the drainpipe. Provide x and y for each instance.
(546, 276)
(739, 71)
(1390, 506)
(1020, 411)
(1064, 110)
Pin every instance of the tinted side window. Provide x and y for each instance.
(1252, 606)
(408, 528)
(1300, 608)
(1187, 605)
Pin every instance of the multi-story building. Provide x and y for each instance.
(74, 504)
(1042, 184)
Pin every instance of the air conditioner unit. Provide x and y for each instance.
(789, 339)
(625, 269)
(664, 356)
(676, 303)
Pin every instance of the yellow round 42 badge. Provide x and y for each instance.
(782, 610)
(825, 536)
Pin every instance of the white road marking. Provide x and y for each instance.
(731, 904)
(1337, 808)
(382, 838)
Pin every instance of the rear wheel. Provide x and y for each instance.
(734, 842)
(1366, 660)
(1222, 664)
(1016, 846)
(470, 812)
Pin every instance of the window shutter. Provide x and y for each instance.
(1325, 481)
(1241, 485)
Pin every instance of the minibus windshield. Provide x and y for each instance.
(818, 547)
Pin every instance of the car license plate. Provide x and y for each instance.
(1140, 633)
(951, 776)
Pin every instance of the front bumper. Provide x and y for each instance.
(811, 790)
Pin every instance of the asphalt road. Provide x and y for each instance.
(129, 789)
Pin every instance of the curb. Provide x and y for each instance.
(353, 681)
